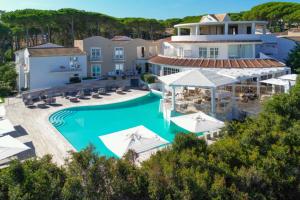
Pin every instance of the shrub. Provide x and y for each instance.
(148, 78)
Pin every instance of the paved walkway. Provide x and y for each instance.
(34, 126)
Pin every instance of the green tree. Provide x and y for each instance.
(8, 78)
(293, 60)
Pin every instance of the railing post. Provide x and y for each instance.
(226, 28)
(253, 28)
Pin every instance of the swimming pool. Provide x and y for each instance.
(82, 126)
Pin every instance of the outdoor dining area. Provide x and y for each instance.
(219, 95)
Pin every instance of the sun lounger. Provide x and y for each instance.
(95, 95)
(101, 91)
(119, 91)
(74, 99)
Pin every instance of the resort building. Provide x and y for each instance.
(48, 65)
(232, 57)
(120, 55)
(217, 43)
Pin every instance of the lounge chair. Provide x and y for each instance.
(74, 99)
(95, 96)
(101, 91)
(80, 95)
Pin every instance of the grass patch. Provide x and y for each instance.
(1, 100)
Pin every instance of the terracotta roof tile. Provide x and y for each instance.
(216, 63)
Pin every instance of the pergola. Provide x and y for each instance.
(197, 78)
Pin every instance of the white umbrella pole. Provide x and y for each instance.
(173, 98)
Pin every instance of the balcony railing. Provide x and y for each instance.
(95, 58)
(119, 57)
(206, 38)
(67, 69)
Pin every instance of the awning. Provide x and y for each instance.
(10, 146)
(197, 78)
(245, 73)
(6, 127)
(289, 77)
(276, 81)
(198, 122)
(140, 139)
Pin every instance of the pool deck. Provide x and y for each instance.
(37, 128)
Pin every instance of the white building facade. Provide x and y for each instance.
(217, 43)
(49, 66)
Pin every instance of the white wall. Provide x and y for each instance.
(41, 75)
(194, 47)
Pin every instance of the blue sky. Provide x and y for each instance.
(160, 9)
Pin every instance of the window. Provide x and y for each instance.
(180, 52)
(169, 70)
(141, 52)
(119, 68)
(152, 51)
(214, 52)
(202, 52)
(95, 53)
(249, 30)
(96, 70)
(74, 62)
(119, 53)
(240, 51)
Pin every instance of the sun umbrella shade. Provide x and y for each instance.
(140, 139)
(198, 122)
(6, 127)
(10, 146)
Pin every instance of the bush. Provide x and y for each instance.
(75, 79)
(8, 77)
(148, 78)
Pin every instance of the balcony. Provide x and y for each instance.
(67, 69)
(219, 38)
(119, 57)
(95, 58)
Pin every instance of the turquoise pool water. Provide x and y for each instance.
(82, 126)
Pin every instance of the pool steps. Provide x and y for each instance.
(58, 119)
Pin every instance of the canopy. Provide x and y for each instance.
(198, 122)
(276, 81)
(6, 127)
(140, 139)
(10, 146)
(289, 77)
(197, 78)
(245, 73)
